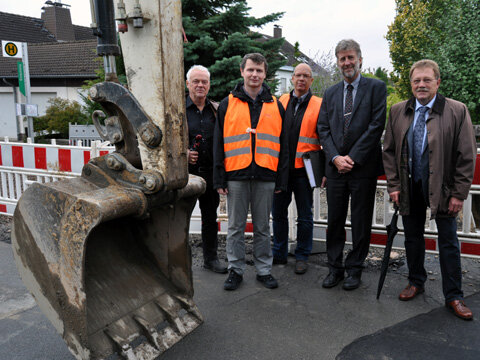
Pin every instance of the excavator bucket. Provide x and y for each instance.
(111, 277)
(106, 255)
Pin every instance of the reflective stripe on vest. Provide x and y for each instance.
(237, 135)
(308, 138)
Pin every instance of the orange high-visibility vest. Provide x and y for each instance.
(237, 133)
(308, 138)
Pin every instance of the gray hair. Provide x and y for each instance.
(197, 67)
(348, 44)
(423, 64)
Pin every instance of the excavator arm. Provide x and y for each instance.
(106, 255)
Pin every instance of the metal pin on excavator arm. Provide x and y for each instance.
(106, 255)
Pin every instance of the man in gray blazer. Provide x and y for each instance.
(350, 125)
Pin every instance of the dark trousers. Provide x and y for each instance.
(414, 226)
(362, 195)
(208, 206)
(300, 187)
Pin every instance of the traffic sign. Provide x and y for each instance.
(12, 49)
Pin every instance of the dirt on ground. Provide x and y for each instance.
(5, 228)
(372, 263)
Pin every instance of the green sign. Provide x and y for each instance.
(21, 78)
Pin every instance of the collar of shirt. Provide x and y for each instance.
(354, 84)
(189, 102)
(301, 98)
(429, 105)
(259, 93)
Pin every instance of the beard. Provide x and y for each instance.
(351, 73)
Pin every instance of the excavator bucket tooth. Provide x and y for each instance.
(109, 268)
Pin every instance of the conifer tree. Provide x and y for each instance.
(219, 34)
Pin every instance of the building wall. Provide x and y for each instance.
(284, 76)
(40, 97)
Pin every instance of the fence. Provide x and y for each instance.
(22, 164)
(86, 134)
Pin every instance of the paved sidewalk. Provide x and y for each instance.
(299, 320)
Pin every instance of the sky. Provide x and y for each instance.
(317, 25)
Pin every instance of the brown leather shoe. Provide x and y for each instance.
(460, 309)
(301, 267)
(410, 292)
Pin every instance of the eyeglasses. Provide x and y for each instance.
(306, 76)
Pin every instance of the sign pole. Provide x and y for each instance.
(28, 94)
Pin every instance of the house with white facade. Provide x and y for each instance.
(61, 57)
(284, 73)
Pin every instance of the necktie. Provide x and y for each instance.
(347, 115)
(418, 134)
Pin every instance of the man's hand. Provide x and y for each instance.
(277, 191)
(222, 191)
(324, 182)
(395, 197)
(454, 206)
(344, 164)
(192, 157)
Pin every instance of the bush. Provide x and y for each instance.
(392, 99)
(58, 115)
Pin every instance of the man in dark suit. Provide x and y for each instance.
(350, 124)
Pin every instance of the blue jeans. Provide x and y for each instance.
(300, 187)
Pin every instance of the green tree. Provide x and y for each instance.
(218, 33)
(457, 53)
(296, 53)
(58, 115)
(444, 31)
(330, 74)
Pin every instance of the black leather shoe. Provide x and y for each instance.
(233, 281)
(215, 266)
(268, 281)
(351, 282)
(332, 279)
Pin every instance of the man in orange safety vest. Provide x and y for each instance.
(301, 115)
(250, 163)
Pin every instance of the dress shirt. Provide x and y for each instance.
(417, 113)
(299, 100)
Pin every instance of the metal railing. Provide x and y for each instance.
(14, 180)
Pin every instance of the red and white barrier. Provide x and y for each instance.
(20, 163)
(55, 158)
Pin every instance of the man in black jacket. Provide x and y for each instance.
(250, 163)
(201, 114)
(350, 124)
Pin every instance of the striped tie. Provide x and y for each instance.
(347, 115)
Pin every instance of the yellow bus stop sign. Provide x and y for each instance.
(11, 49)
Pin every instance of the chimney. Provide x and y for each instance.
(58, 20)
(277, 31)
